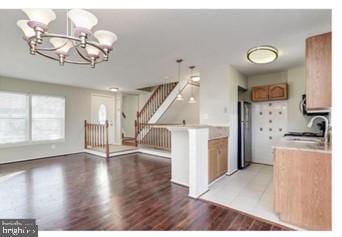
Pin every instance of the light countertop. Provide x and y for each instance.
(302, 146)
(215, 132)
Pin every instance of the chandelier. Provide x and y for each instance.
(76, 46)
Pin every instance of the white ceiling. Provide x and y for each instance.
(151, 40)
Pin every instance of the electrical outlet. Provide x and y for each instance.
(53, 146)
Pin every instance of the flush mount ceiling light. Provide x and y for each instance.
(113, 89)
(75, 42)
(262, 54)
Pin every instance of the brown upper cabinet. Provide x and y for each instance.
(270, 92)
(278, 92)
(260, 93)
(318, 72)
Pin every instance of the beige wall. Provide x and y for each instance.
(219, 96)
(297, 122)
(182, 110)
(78, 109)
(142, 98)
(130, 108)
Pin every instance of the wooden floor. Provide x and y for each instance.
(133, 192)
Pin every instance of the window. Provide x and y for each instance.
(102, 114)
(46, 123)
(48, 114)
(13, 117)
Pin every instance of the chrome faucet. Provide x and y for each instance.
(326, 126)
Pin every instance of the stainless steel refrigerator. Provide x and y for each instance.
(244, 134)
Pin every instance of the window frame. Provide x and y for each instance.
(29, 140)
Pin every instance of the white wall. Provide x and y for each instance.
(267, 79)
(130, 108)
(297, 122)
(219, 96)
(78, 109)
(182, 110)
(295, 77)
(142, 98)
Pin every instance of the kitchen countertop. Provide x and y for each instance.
(303, 146)
(215, 132)
(218, 132)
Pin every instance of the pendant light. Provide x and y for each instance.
(192, 99)
(179, 96)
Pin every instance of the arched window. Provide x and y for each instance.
(102, 114)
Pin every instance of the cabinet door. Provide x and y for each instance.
(302, 188)
(223, 157)
(260, 93)
(318, 72)
(212, 164)
(217, 158)
(278, 92)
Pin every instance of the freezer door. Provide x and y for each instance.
(247, 133)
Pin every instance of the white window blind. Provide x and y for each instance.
(13, 117)
(48, 117)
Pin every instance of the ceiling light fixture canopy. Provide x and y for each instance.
(262, 54)
(77, 38)
(114, 89)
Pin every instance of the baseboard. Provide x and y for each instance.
(100, 154)
(261, 163)
(179, 183)
(233, 172)
(41, 157)
(155, 152)
(217, 179)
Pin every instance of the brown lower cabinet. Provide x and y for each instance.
(217, 158)
(302, 188)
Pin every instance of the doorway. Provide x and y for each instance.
(102, 109)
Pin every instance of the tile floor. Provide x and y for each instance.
(249, 190)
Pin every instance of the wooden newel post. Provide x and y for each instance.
(85, 134)
(135, 130)
(107, 144)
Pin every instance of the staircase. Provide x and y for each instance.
(146, 130)
(154, 102)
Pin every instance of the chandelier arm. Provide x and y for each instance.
(81, 55)
(67, 61)
(50, 35)
(94, 44)
(97, 46)
(49, 49)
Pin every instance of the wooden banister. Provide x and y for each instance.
(96, 135)
(153, 103)
(156, 135)
(153, 136)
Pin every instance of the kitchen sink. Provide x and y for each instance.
(304, 139)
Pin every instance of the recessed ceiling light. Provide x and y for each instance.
(195, 78)
(113, 89)
(262, 54)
